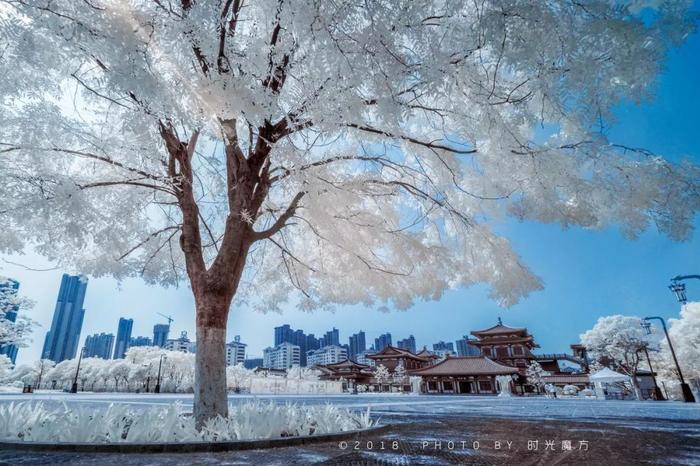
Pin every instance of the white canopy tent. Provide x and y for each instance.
(606, 375)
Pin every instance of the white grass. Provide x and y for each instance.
(34, 422)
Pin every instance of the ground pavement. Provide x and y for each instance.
(435, 430)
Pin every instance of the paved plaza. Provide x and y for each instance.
(435, 430)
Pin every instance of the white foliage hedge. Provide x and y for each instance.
(34, 422)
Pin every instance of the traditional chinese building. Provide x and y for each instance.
(462, 375)
(507, 345)
(391, 357)
(352, 372)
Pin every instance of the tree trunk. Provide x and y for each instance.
(210, 395)
(210, 374)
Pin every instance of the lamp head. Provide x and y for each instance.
(679, 289)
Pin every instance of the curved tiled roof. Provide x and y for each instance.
(466, 365)
(346, 363)
(391, 351)
(498, 329)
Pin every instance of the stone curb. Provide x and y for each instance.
(191, 447)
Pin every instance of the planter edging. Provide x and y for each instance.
(189, 447)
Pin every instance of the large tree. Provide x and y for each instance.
(323, 152)
(619, 342)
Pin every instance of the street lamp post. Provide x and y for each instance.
(148, 375)
(685, 388)
(160, 364)
(74, 387)
(657, 391)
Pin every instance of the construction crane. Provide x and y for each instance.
(170, 319)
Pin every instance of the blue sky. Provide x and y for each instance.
(586, 274)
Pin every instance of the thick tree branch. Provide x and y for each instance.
(281, 222)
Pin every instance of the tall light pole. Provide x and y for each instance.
(657, 391)
(74, 387)
(685, 388)
(160, 364)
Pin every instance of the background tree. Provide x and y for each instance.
(685, 336)
(323, 152)
(618, 342)
(5, 367)
(400, 374)
(381, 375)
(14, 327)
(535, 374)
(43, 366)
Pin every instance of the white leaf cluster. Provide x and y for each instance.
(535, 374)
(685, 337)
(414, 135)
(120, 423)
(14, 332)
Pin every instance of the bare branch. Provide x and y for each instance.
(428, 144)
(282, 220)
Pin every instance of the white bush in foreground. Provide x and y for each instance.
(34, 422)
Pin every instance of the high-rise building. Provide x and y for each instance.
(253, 363)
(285, 333)
(382, 342)
(465, 348)
(99, 345)
(409, 344)
(362, 358)
(140, 341)
(123, 337)
(160, 334)
(444, 349)
(61, 340)
(282, 356)
(235, 352)
(182, 344)
(299, 339)
(312, 342)
(282, 334)
(356, 345)
(327, 355)
(8, 290)
(331, 338)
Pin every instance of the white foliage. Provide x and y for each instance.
(399, 373)
(535, 374)
(381, 374)
(570, 390)
(35, 422)
(5, 367)
(408, 127)
(618, 341)
(685, 337)
(14, 332)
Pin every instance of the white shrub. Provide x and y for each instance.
(571, 390)
(34, 422)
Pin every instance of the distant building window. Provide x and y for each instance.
(448, 386)
(486, 351)
(485, 386)
(502, 352)
(518, 350)
(432, 386)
